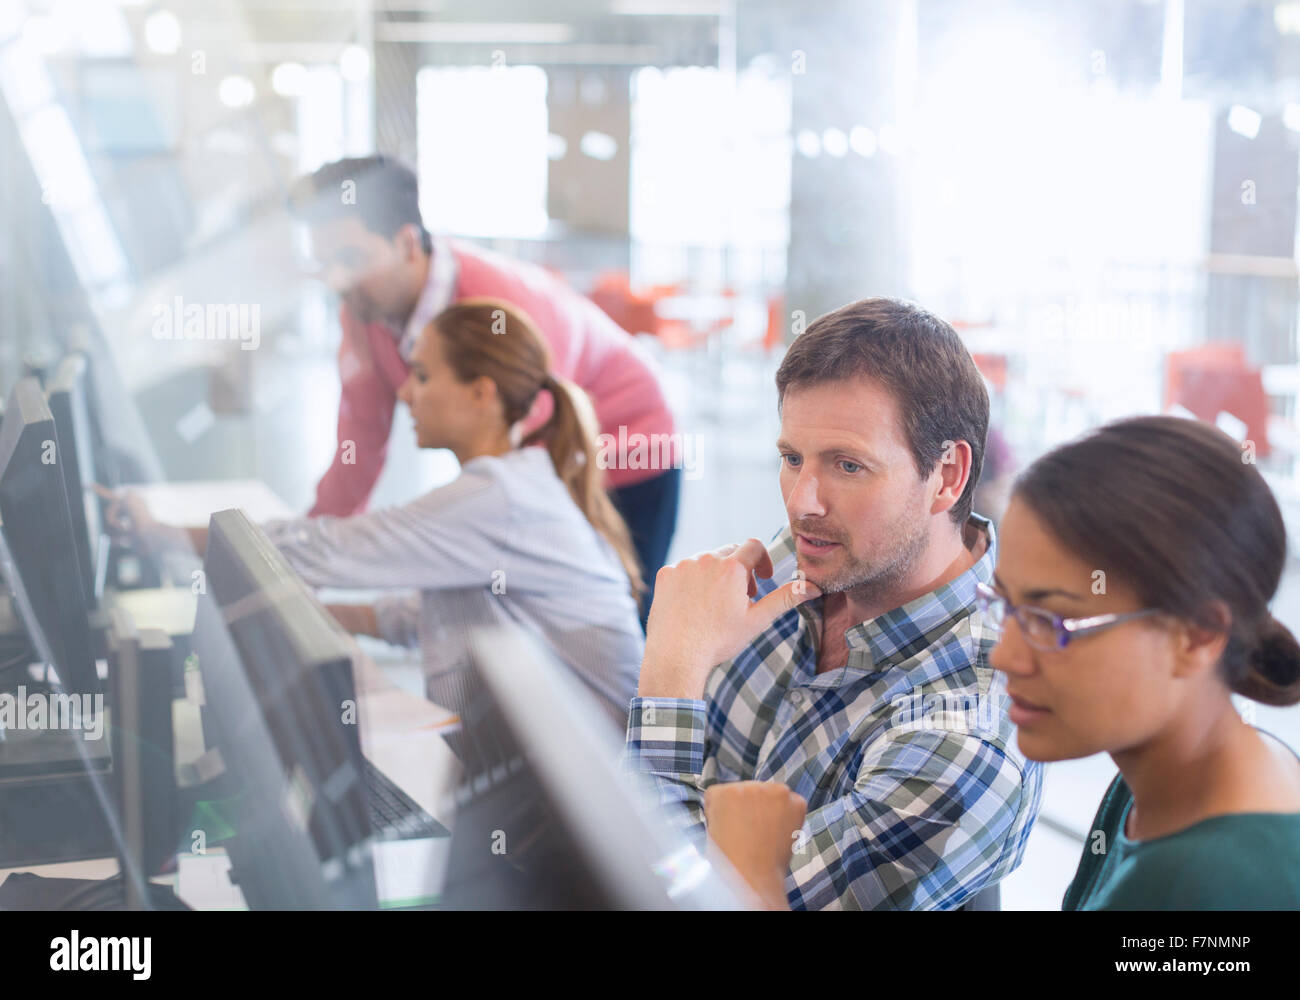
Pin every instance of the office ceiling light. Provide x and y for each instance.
(808, 143)
(556, 146)
(598, 145)
(236, 91)
(1244, 121)
(863, 141)
(289, 79)
(1286, 18)
(835, 142)
(1291, 117)
(162, 32)
(354, 63)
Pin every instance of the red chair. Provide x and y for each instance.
(1213, 378)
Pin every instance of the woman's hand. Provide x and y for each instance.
(358, 619)
(754, 823)
(126, 515)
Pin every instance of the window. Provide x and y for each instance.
(481, 140)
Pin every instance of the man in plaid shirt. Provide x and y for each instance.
(845, 667)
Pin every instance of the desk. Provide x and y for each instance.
(190, 504)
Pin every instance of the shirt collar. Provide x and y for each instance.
(439, 289)
(897, 635)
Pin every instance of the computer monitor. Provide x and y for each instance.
(547, 817)
(247, 806)
(66, 393)
(38, 526)
(281, 707)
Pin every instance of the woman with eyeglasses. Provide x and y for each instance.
(1135, 568)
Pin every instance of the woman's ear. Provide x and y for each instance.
(1199, 646)
(484, 391)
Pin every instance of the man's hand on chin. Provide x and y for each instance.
(704, 613)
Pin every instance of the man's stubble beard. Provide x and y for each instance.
(361, 306)
(869, 583)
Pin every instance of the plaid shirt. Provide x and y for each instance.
(918, 796)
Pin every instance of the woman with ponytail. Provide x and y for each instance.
(524, 535)
(1135, 568)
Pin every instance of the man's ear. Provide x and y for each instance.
(951, 475)
(409, 241)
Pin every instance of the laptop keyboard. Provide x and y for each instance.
(394, 815)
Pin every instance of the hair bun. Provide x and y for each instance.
(1273, 674)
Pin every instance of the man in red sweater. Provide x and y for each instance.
(394, 277)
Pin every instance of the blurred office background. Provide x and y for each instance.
(1099, 194)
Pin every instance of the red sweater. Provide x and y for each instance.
(587, 347)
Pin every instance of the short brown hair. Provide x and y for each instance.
(916, 356)
(385, 196)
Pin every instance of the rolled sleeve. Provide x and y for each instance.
(666, 740)
(665, 736)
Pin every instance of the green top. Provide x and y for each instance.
(1242, 861)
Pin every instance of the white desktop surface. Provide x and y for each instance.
(190, 504)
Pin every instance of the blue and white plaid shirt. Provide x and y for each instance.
(918, 796)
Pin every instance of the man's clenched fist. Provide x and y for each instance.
(754, 823)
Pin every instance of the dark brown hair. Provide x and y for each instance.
(489, 337)
(383, 193)
(1177, 510)
(916, 356)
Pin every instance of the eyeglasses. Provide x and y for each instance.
(1041, 628)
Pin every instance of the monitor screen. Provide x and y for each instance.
(38, 524)
(66, 395)
(547, 817)
(295, 665)
(250, 806)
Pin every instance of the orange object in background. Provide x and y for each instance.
(1214, 378)
(634, 313)
(774, 335)
(993, 367)
(639, 311)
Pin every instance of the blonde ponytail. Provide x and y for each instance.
(570, 439)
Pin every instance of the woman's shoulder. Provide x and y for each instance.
(525, 484)
(1234, 861)
(518, 473)
(526, 476)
